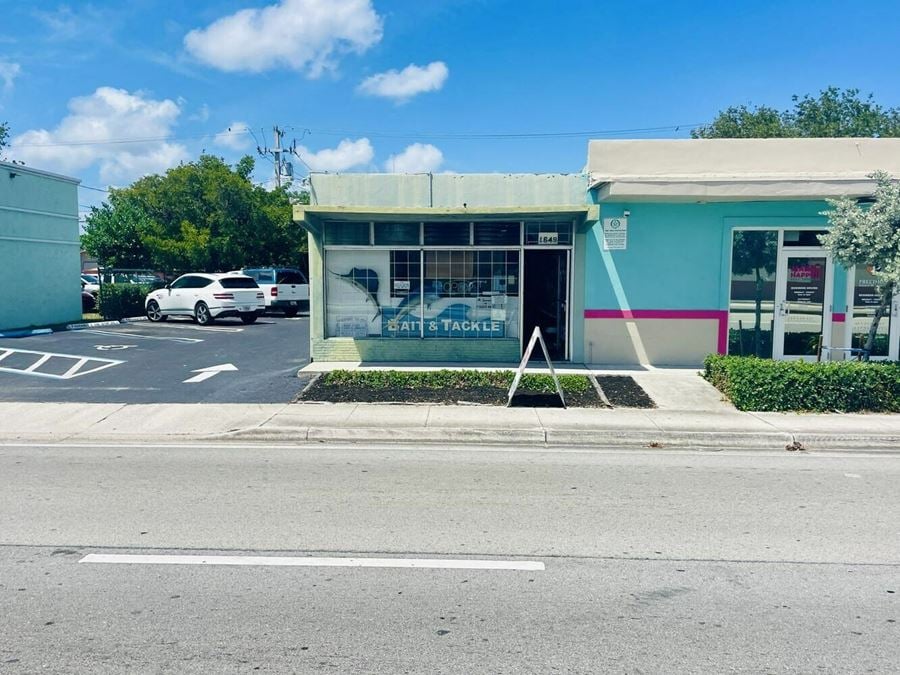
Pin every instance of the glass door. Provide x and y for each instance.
(803, 304)
(864, 299)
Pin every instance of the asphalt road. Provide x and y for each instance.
(653, 562)
(147, 362)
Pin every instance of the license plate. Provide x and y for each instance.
(245, 309)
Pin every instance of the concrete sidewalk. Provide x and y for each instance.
(723, 428)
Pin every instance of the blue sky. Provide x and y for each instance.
(375, 85)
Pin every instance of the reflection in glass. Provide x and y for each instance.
(379, 293)
(866, 301)
(804, 304)
(754, 255)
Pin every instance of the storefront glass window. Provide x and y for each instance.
(396, 234)
(379, 293)
(498, 234)
(546, 233)
(346, 234)
(447, 234)
(866, 300)
(807, 238)
(754, 255)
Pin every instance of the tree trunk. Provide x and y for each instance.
(757, 330)
(887, 296)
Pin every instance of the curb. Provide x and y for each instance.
(584, 439)
(26, 333)
(100, 324)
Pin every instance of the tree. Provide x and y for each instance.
(203, 216)
(869, 234)
(4, 137)
(753, 252)
(114, 233)
(834, 113)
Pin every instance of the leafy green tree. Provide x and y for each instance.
(114, 233)
(4, 137)
(834, 113)
(869, 235)
(200, 216)
(755, 252)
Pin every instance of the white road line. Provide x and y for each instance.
(37, 364)
(74, 369)
(6, 352)
(285, 561)
(119, 334)
(77, 370)
(178, 326)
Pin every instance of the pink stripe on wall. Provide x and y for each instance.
(684, 314)
(838, 317)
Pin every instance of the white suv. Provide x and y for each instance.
(207, 297)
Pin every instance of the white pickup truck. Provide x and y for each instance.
(286, 288)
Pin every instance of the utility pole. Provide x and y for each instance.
(283, 168)
(277, 152)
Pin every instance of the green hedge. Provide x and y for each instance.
(843, 386)
(120, 301)
(453, 379)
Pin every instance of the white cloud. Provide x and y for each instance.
(417, 158)
(304, 35)
(346, 155)
(402, 85)
(9, 71)
(106, 115)
(235, 137)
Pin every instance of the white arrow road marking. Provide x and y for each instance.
(206, 373)
(286, 561)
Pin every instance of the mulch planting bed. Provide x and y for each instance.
(622, 391)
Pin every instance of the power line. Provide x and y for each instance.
(379, 134)
(498, 135)
(95, 189)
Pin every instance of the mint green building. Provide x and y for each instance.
(659, 253)
(39, 248)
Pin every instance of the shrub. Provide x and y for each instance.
(453, 379)
(119, 301)
(844, 386)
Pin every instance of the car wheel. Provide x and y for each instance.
(290, 312)
(248, 318)
(202, 315)
(154, 313)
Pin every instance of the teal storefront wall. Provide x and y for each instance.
(39, 249)
(672, 282)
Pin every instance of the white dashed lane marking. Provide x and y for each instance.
(51, 365)
(286, 561)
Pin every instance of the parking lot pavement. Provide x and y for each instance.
(172, 362)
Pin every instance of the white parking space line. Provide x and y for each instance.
(285, 561)
(186, 326)
(37, 364)
(140, 336)
(83, 365)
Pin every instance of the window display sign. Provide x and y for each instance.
(615, 234)
(867, 289)
(806, 281)
(378, 293)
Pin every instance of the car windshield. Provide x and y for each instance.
(290, 277)
(237, 282)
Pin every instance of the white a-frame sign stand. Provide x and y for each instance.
(535, 337)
